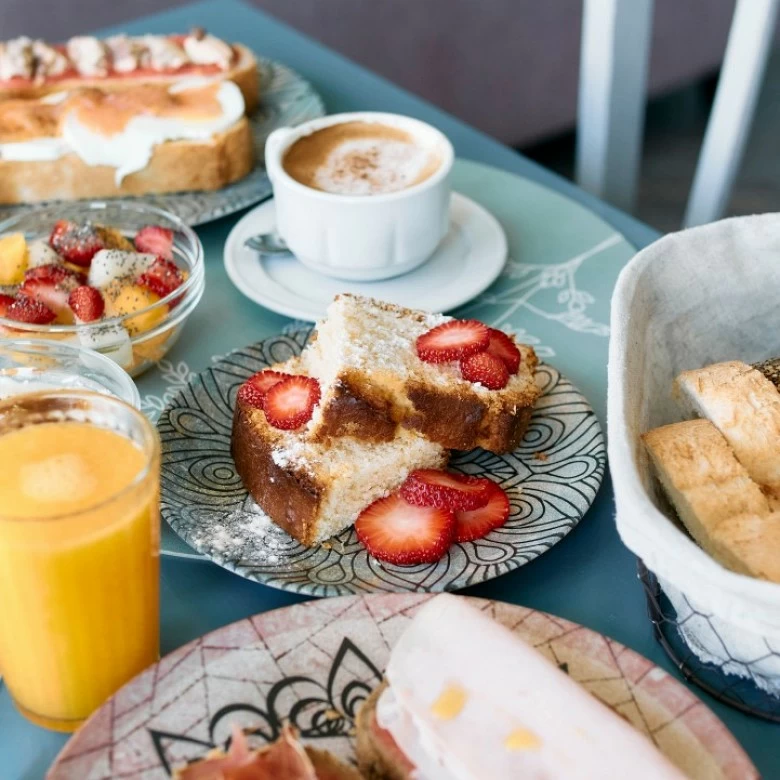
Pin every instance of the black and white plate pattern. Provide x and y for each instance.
(551, 479)
(286, 99)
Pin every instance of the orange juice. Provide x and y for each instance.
(79, 563)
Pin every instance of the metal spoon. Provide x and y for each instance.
(268, 244)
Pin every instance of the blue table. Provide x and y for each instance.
(589, 577)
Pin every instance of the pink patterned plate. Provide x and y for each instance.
(314, 663)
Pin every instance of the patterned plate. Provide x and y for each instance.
(285, 99)
(327, 655)
(551, 479)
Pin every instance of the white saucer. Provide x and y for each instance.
(469, 259)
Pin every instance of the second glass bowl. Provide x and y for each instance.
(32, 365)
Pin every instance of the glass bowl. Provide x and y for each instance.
(120, 338)
(32, 365)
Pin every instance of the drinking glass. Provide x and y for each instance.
(79, 551)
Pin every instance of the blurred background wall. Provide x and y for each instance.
(508, 67)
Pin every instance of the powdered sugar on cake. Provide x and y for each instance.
(372, 166)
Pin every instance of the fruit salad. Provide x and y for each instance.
(91, 275)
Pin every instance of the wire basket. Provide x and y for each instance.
(736, 687)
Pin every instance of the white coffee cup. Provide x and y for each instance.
(362, 237)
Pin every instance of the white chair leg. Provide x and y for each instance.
(616, 38)
(750, 41)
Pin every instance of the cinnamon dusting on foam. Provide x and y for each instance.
(360, 158)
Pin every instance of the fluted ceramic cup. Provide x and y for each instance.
(362, 237)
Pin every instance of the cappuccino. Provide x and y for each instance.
(360, 158)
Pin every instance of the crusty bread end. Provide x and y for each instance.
(375, 760)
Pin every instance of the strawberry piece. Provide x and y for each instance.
(25, 309)
(453, 340)
(55, 273)
(397, 532)
(87, 303)
(252, 392)
(487, 369)
(430, 487)
(162, 277)
(290, 403)
(502, 347)
(52, 294)
(155, 240)
(76, 244)
(476, 523)
(5, 302)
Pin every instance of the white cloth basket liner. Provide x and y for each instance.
(692, 298)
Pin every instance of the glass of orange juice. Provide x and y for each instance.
(79, 551)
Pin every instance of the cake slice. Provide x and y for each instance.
(315, 489)
(364, 355)
(467, 698)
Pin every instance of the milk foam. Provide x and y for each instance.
(372, 166)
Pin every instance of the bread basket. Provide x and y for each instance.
(690, 299)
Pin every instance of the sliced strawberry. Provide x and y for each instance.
(430, 487)
(155, 240)
(502, 346)
(53, 295)
(252, 392)
(162, 277)
(397, 532)
(5, 302)
(76, 244)
(486, 369)
(54, 273)
(476, 523)
(25, 309)
(87, 303)
(453, 340)
(290, 403)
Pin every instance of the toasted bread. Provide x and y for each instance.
(745, 407)
(721, 506)
(312, 489)
(243, 72)
(364, 356)
(175, 166)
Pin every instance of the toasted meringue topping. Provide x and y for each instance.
(164, 53)
(48, 61)
(89, 55)
(205, 49)
(16, 59)
(127, 53)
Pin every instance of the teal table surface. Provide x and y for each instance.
(589, 577)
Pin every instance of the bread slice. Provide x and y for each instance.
(745, 407)
(316, 489)
(175, 166)
(379, 758)
(365, 359)
(243, 73)
(721, 506)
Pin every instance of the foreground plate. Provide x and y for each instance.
(314, 663)
(285, 99)
(551, 479)
(469, 259)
